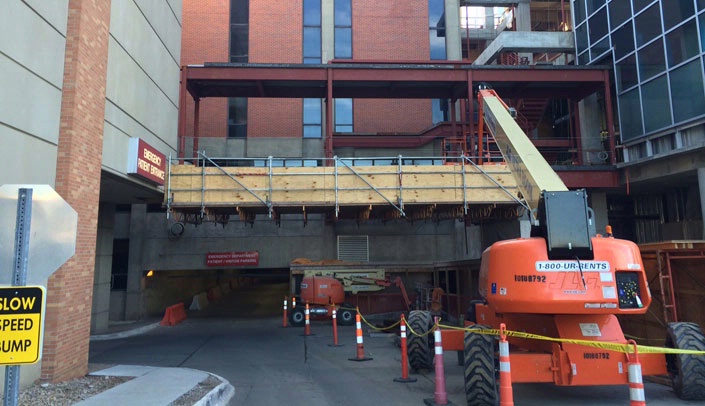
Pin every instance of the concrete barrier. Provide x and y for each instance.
(174, 315)
(199, 302)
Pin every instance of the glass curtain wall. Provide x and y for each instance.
(657, 47)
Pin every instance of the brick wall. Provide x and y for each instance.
(391, 31)
(385, 31)
(70, 289)
(206, 38)
(275, 37)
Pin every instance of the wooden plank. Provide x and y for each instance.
(374, 185)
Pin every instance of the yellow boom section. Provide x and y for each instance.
(531, 171)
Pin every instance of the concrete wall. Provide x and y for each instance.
(32, 44)
(182, 272)
(142, 95)
(103, 266)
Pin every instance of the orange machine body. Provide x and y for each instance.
(516, 276)
(322, 290)
(532, 294)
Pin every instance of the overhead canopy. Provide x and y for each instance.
(390, 81)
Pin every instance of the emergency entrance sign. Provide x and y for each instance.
(21, 314)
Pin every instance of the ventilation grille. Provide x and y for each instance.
(353, 248)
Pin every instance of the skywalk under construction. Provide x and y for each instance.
(207, 191)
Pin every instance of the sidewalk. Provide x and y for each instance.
(154, 385)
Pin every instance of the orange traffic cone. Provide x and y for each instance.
(360, 348)
(284, 318)
(636, 384)
(404, 356)
(506, 395)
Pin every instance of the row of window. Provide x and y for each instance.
(657, 47)
(312, 54)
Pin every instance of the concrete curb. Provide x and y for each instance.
(220, 395)
(123, 334)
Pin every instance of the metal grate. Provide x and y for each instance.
(353, 248)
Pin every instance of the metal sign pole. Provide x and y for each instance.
(19, 278)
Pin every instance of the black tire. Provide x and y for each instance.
(420, 340)
(470, 315)
(687, 371)
(345, 317)
(297, 318)
(480, 372)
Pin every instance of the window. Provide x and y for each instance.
(651, 60)
(312, 31)
(654, 99)
(639, 4)
(593, 5)
(626, 73)
(343, 115)
(343, 29)
(598, 26)
(687, 91)
(239, 50)
(579, 11)
(581, 38)
(675, 11)
(436, 29)
(440, 110)
(312, 118)
(600, 48)
(682, 43)
(648, 25)
(312, 127)
(623, 41)
(239, 30)
(237, 117)
(620, 11)
(630, 115)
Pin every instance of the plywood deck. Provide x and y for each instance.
(253, 187)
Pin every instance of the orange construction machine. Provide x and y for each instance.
(325, 290)
(563, 281)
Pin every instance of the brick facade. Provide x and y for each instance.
(70, 289)
(391, 31)
(206, 38)
(382, 31)
(275, 37)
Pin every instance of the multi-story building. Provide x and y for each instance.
(656, 51)
(78, 105)
(81, 82)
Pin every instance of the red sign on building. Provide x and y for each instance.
(145, 161)
(246, 258)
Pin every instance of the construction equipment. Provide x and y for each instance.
(565, 282)
(325, 290)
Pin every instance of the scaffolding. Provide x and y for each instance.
(210, 190)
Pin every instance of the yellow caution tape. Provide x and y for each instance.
(375, 327)
(617, 347)
(625, 348)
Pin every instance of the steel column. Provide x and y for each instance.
(196, 132)
(329, 114)
(610, 118)
(182, 115)
(471, 114)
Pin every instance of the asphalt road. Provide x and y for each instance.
(271, 365)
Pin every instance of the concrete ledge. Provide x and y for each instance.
(526, 41)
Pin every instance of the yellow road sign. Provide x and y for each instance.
(21, 316)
